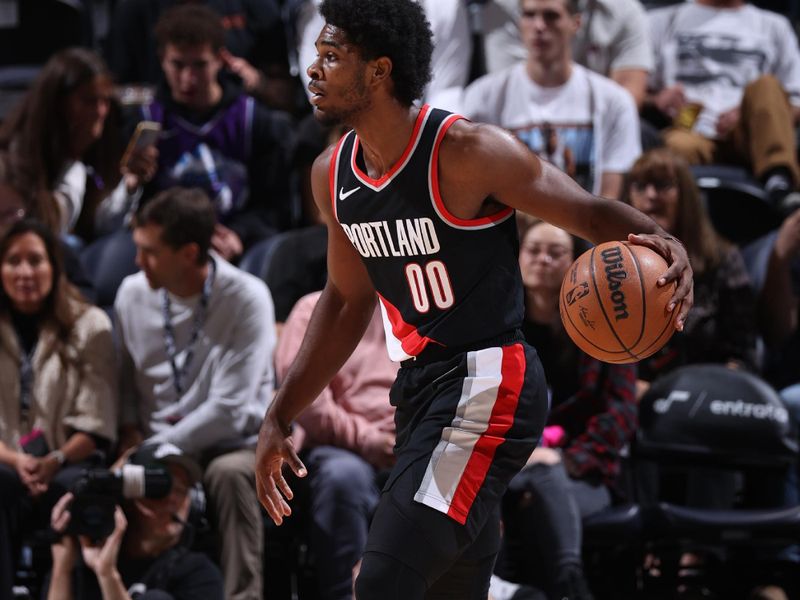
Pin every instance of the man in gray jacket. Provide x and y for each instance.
(197, 338)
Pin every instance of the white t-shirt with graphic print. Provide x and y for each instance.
(715, 52)
(590, 122)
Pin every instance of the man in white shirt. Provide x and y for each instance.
(729, 74)
(197, 337)
(580, 121)
(613, 40)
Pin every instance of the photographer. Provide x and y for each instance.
(146, 556)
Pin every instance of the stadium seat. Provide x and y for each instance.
(737, 203)
(698, 415)
(292, 264)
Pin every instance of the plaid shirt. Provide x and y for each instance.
(599, 419)
(594, 402)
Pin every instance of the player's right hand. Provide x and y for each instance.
(275, 447)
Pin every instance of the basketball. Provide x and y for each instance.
(611, 306)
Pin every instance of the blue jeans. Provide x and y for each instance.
(343, 497)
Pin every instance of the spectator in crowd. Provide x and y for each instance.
(197, 337)
(214, 136)
(613, 40)
(721, 327)
(778, 311)
(147, 555)
(67, 131)
(575, 471)
(58, 401)
(728, 75)
(19, 197)
(132, 53)
(348, 433)
(452, 49)
(18, 200)
(549, 94)
(778, 298)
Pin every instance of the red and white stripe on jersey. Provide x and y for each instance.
(374, 184)
(436, 197)
(485, 413)
(403, 341)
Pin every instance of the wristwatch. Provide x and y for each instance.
(60, 457)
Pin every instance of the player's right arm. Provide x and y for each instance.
(339, 320)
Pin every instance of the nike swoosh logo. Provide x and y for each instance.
(345, 195)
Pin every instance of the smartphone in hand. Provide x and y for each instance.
(146, 134)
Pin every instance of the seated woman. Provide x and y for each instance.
(66, 129)
(722, 325)
(574, 472)
(18, 201)
(58, 400)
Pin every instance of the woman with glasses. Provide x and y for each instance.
(721, 327)
(58, 400)
(574, 471)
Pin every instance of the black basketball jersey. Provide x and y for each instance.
(442, 281)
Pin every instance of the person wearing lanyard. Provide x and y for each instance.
(58, 402)
(197, 337)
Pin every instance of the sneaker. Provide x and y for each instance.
(500, 589)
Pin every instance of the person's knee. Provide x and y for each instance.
(383, 577)
(344, 474)
(690, 146)
(763, 85)
(229, 471)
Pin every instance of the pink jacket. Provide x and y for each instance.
(353, 411)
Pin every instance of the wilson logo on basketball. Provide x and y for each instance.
(615, 275)
(623, 317)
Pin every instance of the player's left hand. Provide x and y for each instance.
(274, 447)
(680, 271)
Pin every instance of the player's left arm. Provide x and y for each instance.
(491, 163)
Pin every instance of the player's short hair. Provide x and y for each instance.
(396, 29)
(189, 25)
(186, 215)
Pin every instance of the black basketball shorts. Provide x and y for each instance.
(465, 427)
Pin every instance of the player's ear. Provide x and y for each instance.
(381, 69)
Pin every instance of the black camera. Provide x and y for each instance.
(98, 491)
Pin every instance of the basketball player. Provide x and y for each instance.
(420, 210)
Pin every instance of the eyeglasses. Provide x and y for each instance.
(552, 252)
(665, 185)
